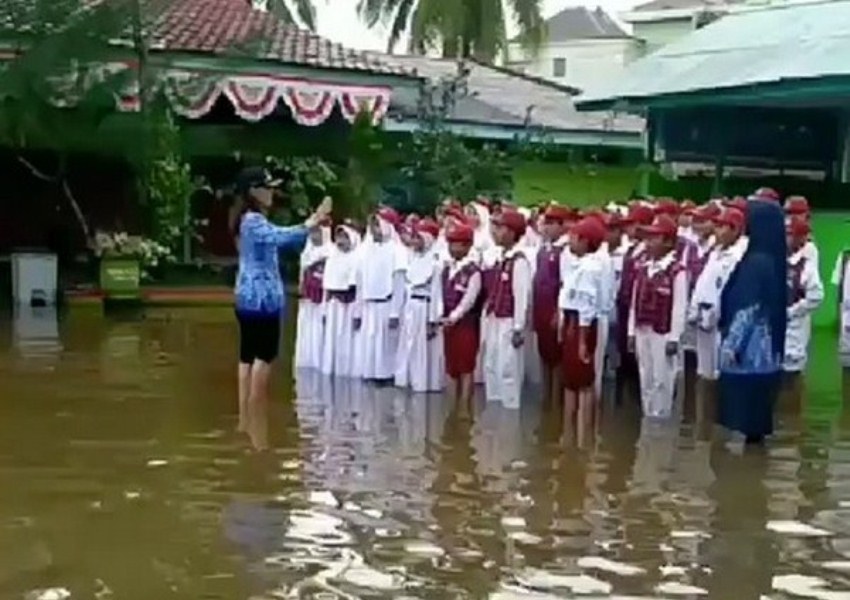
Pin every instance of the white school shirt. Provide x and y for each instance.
(521, 286)
(581, 285)
(679, 305)
(607, 281)
(812, 285)
(470, 295)
(709, 286)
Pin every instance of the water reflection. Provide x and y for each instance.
(339, 489)
(35, 332)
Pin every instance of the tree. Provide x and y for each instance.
(459, 28)
(295, 11)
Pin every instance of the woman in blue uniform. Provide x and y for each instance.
(260, 298)
(752, 327)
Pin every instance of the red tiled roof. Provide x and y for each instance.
(233, 27)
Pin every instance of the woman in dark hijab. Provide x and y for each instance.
(752, 326)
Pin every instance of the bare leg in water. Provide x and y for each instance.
(244, 393)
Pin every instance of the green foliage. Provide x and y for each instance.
(365, 170)
(459, 28)
(307, 179)
(168, 185)
(438, 164)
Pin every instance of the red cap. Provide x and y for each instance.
(389, 215)
(738, 203)
(706, 212)
(731, 216)
(456, 213)
(460, 234)
(427, 226)
(590, 229)
(513, 220)
(796, 205)
(596, 213)
(663, 225)
(641, 214)
(765, 193)
(666, 206)
(798, 227)
(556, 212)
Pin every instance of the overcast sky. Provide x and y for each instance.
(338, 20)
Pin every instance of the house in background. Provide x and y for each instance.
(584, 48)
(658, 22)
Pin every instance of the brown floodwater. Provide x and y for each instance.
(122, 476)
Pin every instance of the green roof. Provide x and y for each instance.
(750, 52)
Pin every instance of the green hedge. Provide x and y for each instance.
(576, 185)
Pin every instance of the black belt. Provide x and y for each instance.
(423, 298)
(379, 300)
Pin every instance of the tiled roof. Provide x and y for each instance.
(497, 96)
(233, 27)
(580, 23)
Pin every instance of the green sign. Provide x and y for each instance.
(119, 277)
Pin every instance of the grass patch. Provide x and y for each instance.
(575, 185)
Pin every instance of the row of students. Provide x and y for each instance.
(480, 293)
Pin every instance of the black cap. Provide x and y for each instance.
(255, 177)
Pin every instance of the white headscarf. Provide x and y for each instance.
(341, 268)
(422, 263)
(379, 261)
(314, 253)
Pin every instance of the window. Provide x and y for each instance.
(559, 67)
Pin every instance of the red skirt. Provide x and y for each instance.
(548, 345)
(461, 349)
(577, 375)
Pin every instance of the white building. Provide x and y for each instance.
(584, 48)
(658, 22)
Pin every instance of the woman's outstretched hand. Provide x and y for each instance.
(323, 211)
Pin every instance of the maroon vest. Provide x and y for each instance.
(311, 283)
(500, 296)
(454, 289)
(654, 297)
(547, 284)
(796, 291)
(633, 262)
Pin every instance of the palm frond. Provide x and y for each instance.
(400, 23)
(529, 18)
(303, 15)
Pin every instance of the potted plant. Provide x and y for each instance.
(126, 260)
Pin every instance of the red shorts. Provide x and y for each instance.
(461, 349)
(547, 338)
(578, 374)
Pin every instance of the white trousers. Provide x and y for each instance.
(602, 332)
(376, 358)
(309, 336)
(419, 363)
(339, 341)
(798, 332)
(658, 372)
(504, 365)
(708, 348)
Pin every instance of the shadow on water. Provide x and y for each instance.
(122, 476)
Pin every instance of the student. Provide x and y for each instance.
(841, 278)
(580, 305)
(798, 206)
(461, 287)
(310, 330)
(640, 215)
(702, 225)
(607, 300)
(506, 313)
(419, 363)
(704, 308)
(618, 245)
(340, 340)
(380, 296)
(546, 285)
(657, 318)
(805, 293)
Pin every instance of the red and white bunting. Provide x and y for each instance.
(310, 105)
(367, 101)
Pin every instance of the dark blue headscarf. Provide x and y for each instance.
(760, 277)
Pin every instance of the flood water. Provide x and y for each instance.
(122, 476)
